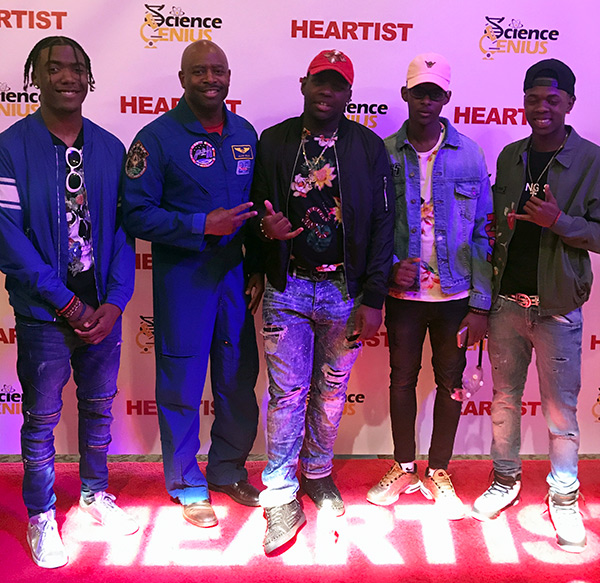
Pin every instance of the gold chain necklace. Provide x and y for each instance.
(534, 187)
(328, 142)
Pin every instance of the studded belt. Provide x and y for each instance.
(523, 300)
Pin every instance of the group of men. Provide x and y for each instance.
(340, 222)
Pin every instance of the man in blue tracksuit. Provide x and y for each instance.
(69, 273)
(188, 177)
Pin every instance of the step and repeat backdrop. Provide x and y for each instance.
(135, 50)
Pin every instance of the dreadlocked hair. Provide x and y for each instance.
(49, 42)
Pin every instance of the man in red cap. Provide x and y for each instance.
(327, 224)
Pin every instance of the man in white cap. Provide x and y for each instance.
(441, 279)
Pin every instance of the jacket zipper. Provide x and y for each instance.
(385, 197)
(337, 163)
(287, 205)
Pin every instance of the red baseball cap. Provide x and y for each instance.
(332, 60)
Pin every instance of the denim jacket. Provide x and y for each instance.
(564, 266)
(462, 205)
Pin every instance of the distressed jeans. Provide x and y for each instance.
(513, 333)
(309, 351)
(46, 352)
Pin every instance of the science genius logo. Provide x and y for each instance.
(510, 36)
(10, 400)
(365, 113)
(175, 25)
(145, 336)
(17, 103)
(596, 408)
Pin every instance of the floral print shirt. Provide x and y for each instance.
(315, 203)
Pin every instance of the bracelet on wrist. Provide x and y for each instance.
(78, 312)
(556, 219)
(262, 230)
(479, 311)
(73, 310)
(69, 305)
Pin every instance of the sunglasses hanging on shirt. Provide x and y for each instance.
(74, 160)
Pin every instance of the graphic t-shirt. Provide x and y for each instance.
(430, 287)
(315, 204)
(520, 274)
(80, 275)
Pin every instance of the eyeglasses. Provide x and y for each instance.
(74, 160)
(435, 94)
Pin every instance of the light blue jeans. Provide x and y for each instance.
(309, 351)
(513, 333)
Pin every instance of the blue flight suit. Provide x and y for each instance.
(177, 173)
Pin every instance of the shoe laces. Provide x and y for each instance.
(444, 484)
(498, 488)
(568, 509)
(392, 475)
(106, 501)
(275, 516)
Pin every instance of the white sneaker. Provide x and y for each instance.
(503, 493)
(567, 521)
(47, 549)
(107, 513)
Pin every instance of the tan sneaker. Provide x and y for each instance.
(439, 487)
(395, 482)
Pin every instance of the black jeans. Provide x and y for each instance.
(407, 322)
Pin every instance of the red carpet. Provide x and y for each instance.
(404, 542)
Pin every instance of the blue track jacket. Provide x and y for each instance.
(33, 225)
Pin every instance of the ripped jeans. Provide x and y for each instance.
(46, 352)
(513, 332)
(309, 357)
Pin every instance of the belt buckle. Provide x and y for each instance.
(523, 300)
(319, 275)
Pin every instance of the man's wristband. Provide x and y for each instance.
(479, 311)
(556, 219)
(75, 307)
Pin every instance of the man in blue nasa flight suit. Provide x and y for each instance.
(188, 176)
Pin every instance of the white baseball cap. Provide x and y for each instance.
(428, 68)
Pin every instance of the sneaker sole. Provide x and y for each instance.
(387, 501)
(571, 547)
(287, 537)
(426, 491)
(484, 517)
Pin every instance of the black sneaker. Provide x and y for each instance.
(283, 523)
(324, 493)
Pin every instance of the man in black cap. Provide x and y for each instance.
(327, 220)
(547, 207)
